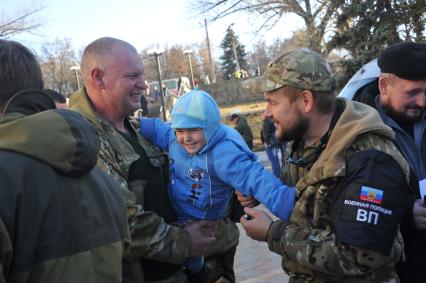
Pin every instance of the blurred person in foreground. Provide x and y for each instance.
(61, 218)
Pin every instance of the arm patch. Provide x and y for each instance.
(370, 202)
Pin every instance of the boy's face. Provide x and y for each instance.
(192, 140)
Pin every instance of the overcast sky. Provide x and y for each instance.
(143, 23)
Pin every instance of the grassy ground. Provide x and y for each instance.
(252, 111)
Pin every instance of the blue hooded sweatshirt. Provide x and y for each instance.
(202, 184)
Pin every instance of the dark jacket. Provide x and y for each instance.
(267, 134)
(61, 218)
(411, 268)
(245, 131)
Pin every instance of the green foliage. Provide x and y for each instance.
(231, 46)
(365, 28)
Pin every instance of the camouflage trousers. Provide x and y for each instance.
(223, 265)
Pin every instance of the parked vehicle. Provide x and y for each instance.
(365, 75)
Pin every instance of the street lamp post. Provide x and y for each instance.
(156, 53)
(76, 69)
(189, 52)
(212, 71)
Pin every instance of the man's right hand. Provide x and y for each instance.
(202, 235)
(419, 214)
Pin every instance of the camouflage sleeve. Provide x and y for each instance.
(150, 236)
(312, 249)
(364, 214)
(154, 239)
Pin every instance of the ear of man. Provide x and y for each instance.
(383, 85)
(97, 77)
(307, 101)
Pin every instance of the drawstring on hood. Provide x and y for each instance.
(197, 109)
(29, 101)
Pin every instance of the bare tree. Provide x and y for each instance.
(204, 61)
(173, 62)
(316, 14)
(263, 53)
(24, 21)
(57, 58)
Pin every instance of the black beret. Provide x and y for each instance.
(407, 60)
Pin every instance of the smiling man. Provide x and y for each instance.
(350, 178)
(113, 75)
(401, 104)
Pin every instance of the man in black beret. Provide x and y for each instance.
(401, 104)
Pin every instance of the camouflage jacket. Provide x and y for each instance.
(151, 237)
(333, 232)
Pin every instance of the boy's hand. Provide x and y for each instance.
(246, 201)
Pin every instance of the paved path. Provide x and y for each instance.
(254, 262)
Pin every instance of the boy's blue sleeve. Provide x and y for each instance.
(248, 176)
(156, 131)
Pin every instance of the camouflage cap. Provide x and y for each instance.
(301, 68)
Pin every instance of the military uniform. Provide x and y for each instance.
(326, 239)
(220, 256)
(350, 187)
(151, 237)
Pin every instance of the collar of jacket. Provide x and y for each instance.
(391, 122)
(80, 102)
(356, 119)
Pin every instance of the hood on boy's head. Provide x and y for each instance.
(196, 109)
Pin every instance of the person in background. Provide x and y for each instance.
(399, 96)
(274, 150)
(144, 106)
(61, 218)
(109, 98)
(350, 178)
(241, 125)
(60, 100)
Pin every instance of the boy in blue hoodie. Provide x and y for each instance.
(208, 160)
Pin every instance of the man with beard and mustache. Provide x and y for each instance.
(350, 178)
(401, 104)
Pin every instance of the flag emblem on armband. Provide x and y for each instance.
(371, 195)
